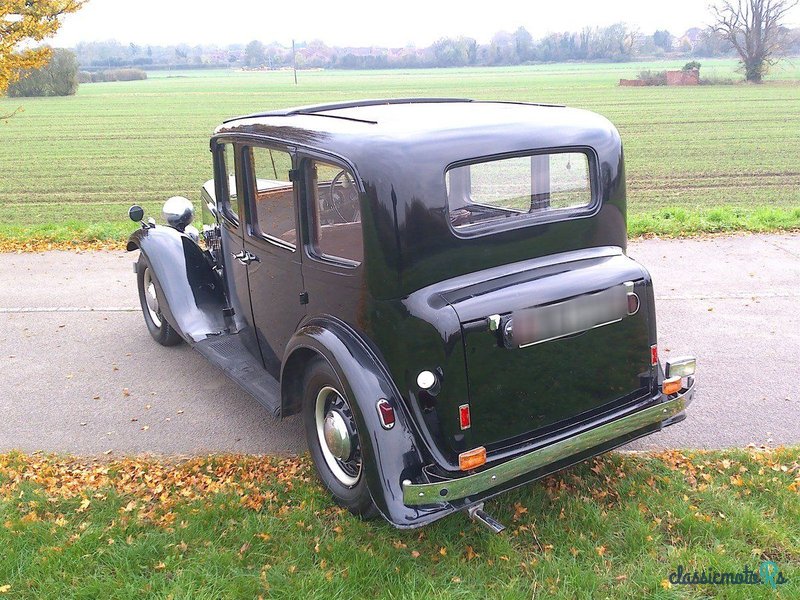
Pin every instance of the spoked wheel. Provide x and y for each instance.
(333, 440)
(157, 325)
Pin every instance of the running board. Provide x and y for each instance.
(229, 353)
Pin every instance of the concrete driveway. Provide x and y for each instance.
(80, 373)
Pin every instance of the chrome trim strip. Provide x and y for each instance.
(455, 489)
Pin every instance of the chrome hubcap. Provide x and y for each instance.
(337, 435)
(151, 298)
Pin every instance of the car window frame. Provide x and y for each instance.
(529, 219)
(221, 185)
(304, 159)
(252, 229)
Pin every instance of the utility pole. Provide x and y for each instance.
(294, 63)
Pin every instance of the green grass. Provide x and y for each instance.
(723, 156)
(244, 527)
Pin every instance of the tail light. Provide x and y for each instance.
(464, 418)
(653, 355)
(386, 413)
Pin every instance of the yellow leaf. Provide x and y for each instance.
(414, 554)
(4, 589)
(160, 566)
(471, 553)
(443, 551)
(666, 584)
(601, 550)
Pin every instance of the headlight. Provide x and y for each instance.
(178, 212)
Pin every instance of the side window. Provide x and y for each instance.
(228, 184)
(336, 213)
(273, 200)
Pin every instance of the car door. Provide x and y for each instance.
(228, 181)
(271, 249)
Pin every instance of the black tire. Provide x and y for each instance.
(157, 325)
(346, 483)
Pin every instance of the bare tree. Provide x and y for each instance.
(753, 27)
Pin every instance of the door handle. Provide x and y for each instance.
(245, 258)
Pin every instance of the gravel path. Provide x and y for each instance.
(80, 373)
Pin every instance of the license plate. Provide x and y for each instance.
(540, 324)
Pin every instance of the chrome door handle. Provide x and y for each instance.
(246, 258)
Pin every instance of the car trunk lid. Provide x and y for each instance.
(554, 345)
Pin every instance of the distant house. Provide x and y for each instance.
(688, 39)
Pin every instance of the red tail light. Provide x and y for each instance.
(653, 355)
(386, 413)
(463, 416)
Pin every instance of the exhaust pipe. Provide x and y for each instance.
(476, 513)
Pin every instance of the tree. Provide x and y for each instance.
(59, 77)
(23, 23)
(753, 27)
(254, 54)
(663, 39)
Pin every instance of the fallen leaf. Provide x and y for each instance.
(666, 584)
(4, 589)
(414, 554)
(84, 505)
(471, 553)
(126, 392)
(245, 547)
(601, 550)
(160, 566)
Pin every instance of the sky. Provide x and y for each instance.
(362, 23)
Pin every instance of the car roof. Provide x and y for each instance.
(422, 121)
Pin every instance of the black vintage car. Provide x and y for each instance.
(438, 286)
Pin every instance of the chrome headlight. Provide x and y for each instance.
(178, 212)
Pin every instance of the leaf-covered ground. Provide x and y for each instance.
(249, 527)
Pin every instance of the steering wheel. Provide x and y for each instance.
(344, 197)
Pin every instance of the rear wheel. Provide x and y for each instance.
(157, 325)
(333, 439)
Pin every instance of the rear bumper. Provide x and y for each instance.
(664, 413)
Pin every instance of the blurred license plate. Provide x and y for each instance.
(543, 323)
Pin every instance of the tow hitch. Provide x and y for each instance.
(476, 513)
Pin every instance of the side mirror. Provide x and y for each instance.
(136, 213)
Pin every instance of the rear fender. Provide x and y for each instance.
(390, 456)
(190, 292)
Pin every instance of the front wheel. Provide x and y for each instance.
(333, 440)
(157, 325)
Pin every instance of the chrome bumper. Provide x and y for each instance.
(455, 489)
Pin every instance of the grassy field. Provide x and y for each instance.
(249, 527)
(708, 158)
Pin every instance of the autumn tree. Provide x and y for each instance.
(754, 29)
(59, 77)
(23, 23)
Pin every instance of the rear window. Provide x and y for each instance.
(509, 190)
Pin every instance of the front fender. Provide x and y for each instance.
(390, 456)
(190, 292)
